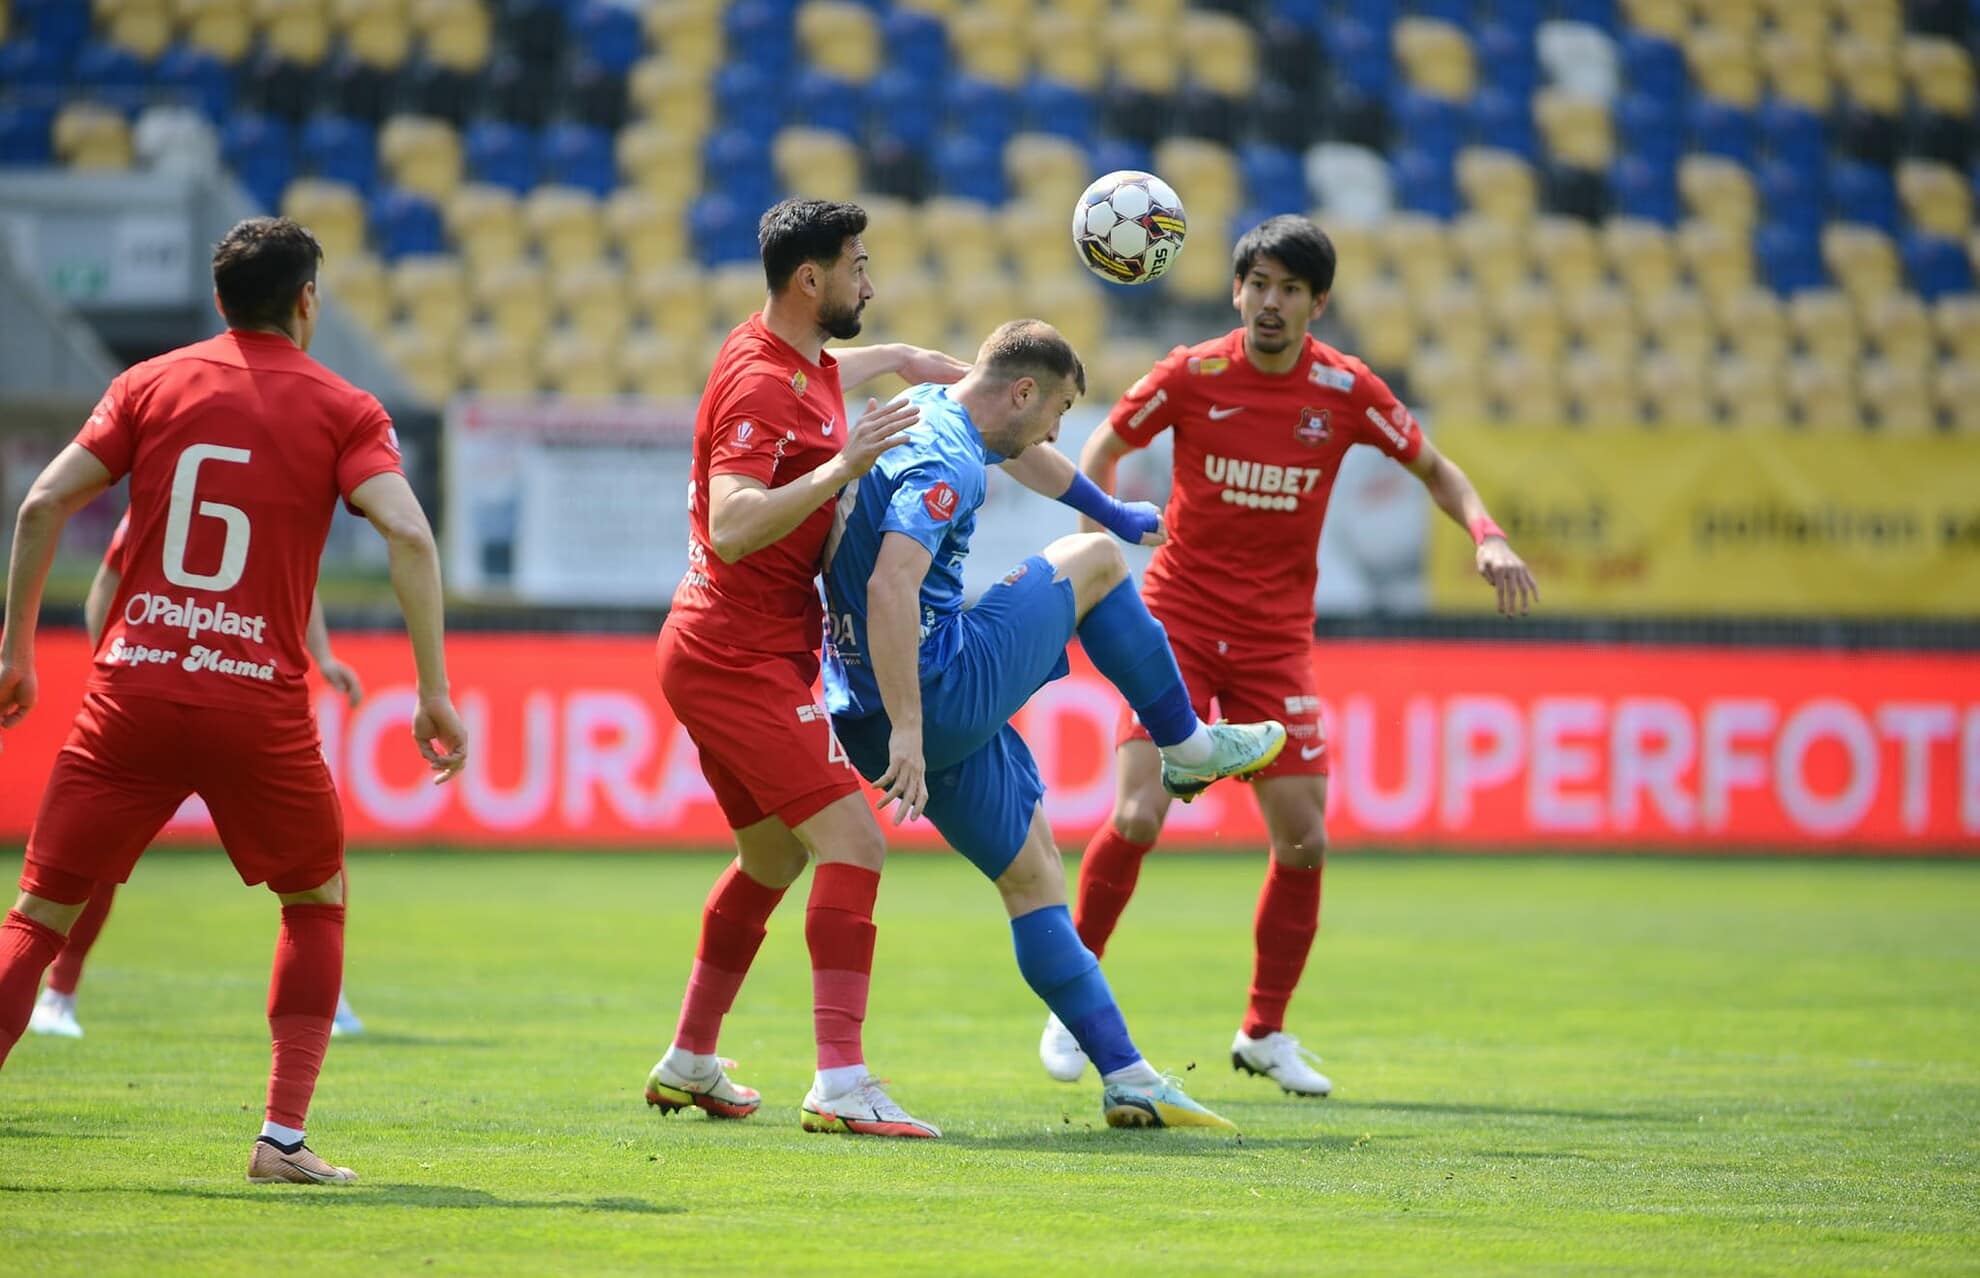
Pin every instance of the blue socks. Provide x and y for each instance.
(1131, 649)
(1062, 971)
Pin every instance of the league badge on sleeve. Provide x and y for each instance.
(940, 503)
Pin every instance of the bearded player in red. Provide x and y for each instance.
(238, 449)
(1262, 417)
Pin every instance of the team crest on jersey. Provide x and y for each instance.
(1208, 365)
(1016, 574)
(798, 382)
(1313, 429)
(940, 503)
(1332, 378)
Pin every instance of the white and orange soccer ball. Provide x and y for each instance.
(1129, 227)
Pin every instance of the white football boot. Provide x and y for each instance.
(345, 1022)
(1279, 1057)
(1061, 1054)
(866, 1110)
(55, 1014)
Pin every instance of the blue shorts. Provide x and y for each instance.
(983, 785)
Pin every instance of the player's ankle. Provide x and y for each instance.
(693, 1065)
(1193, 750)
(837, 1080)
(286, 1139)
(1140, 1073)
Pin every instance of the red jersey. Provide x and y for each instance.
(238, 448)
(1256, 455)
(771, 415)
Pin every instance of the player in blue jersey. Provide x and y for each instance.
(922, 690)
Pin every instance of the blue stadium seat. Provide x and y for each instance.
(1425, 183)
(1049, 106)
(25, 135)
(1272, 175)
(968, 167)
(1648, 126)
(906, 106)
(987, 111)
(1720, 128)
(261, 151)
(1505, 120)
(748, 97)
(1113, 154)
(202, 79)
(501, 154)
(1363, 57)
(338, 147)
(737, 163)
(110, 74)
(1644, 187)
(578, 155)
(1794, 134)
(32, 63)
(1654, 66)
(916, 42)
(1793, 196)
(59, 25)
(1432, 124)
(1864, 193)
(763, 35)
(1454, 11)
(1790, 258)
(1596, 13)
(826, 102)
(403, 224)
(1509, 57)
(722, 229)
(1307, 15)
(1521, 15)
(610, 34)
(1937, 266)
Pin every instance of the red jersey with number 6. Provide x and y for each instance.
(1256, 455)
(238, 449)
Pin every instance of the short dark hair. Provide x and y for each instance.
(260, 266)
(1030, 348)
(1295, 243)
(794, 232)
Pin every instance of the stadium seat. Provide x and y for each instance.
(1723, 67)
(761, 33)
(658, 159)
(1823, 324)
(1754, 325)
(1419, 250)
(1436, 58)
(1739, 19)
(1050, 106)
(1528, 319)
(1512, 52)
(1525, 391)
(578, 155)
(1898, 397)
(1651, 64)
(1640, 254)
(1576, 129)
(1681, 325)
(687, 33)
(1748, 394)
(1425, 183)
(422, 155)
(1357, 251)
(1870, 73)
(1352, 183)
(1676, 389)
(1504, 121)
(1073, 302)
(646, 230)
(1722, 128)
(1936, 198)
(1646, 189)
(990, 46)
(1797, 69)
(498, 363)
(580, 366)
(1794, 135)
(1864, 193)
(1567, 254)
(1145, 55)
(1790, 258)
(260, 150)
(1649, 128)
(1451, 385)
(962, 237)
(1936, 265)
(1719, 190)
(655, 366)
(735, 292)
(1034, 240)
(737, 163)
(514, 298)
(1601, 390)
(357, 285)
(822, 164)
(748, 98)
(502, 155)
(1862, 260)
(333, 212)
(1794, 196)
(1045, 167)
(672, 95)
(430, 292)
(1069, 48)
(564, 224)
(431, 367)
(341, 149)
(1603, 319)
(1900, 328)
(982, 109)
(1582, 60)
(1456, 321)
(674, 302)
(220, 29)
(1670, 19)
(404, 224)
(1940, 73)
(1206, 170)
(485, 224)
(1498, 185)
(1823, 395)
(1219, 52)
(1956, 395)
(592, 299)
(1956, 323)
(1384, 326)
(1493, 253)
(1799, 17)
(1719, 262)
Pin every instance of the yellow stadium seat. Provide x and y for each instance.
(431, 293)
(671, 94)
(1862, 259)
(1677, 390)
(1723, 66)
(647, 231)
(1872, 19)
(907, 301)
(1069, 48)
(1450, 386)
(990, 45)
(356, 284)
(1529, 321)
(219, 27)
(1670, 19)
(1809, 19)
(592, 300)
(1419, 249)
(659, 158)
(688, 33)
(1601, 390)
(1383, 323)
(144, 31)
(1823, 394)
(1525, 391)
(1576, 129)
(1120, 363)
(1498, 184)
(1144, 51)
(1956, 322)
(937, 8)
(736, 292)
(1456, 320)
(962, 236)
(564, 224)
(1204, 173)
(1797, 68)
(840, 38)
(1218, 50)
(1602, 319)
(332, 211)
(422, 155)
(1936, 197)
(88, 136)
(1047, 168)
(1719, 261)
(1358, 259)
(1941, 74)
(515, 299)
(1034, 239)
(428, 364)
(580, 366)
(1956, 394)
(1749, 394)
(1719, 190)
(1898, 397)
(1901, 329)
(1870, 73)
(1824, 326)
(485, 222)
(1678, 321)
(1073, 303)
(893, 237)
(1641, 254)
(1492, 253)
(1740, 19)
(498, 363)
(1754, 325)
(819, 162)
(1436, 58)
(294, 30)
(674, 302)
(977, 305)
(379, 36)
(658, 367)
(454, 34)
(1567, 254)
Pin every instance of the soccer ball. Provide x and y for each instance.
(1129, 227)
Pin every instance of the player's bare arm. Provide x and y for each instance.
(744, 516)
(912, 364)
(316, 637)
(893, 631)
(96, 604)
(387, 500)
(1099, 460)
(1050, 473)
(1497, 562)
(68, 484)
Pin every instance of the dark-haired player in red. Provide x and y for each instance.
(238, 449)
(1262, 417)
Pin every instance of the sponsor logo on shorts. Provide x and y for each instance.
(1398, 435)
(1310, 753)
(1143, 413)
(811, 713)
(1208, 365)
(1302, 705)
(1313, 429)
(940, 503)
(192, 617)
(1260, 485)
(1332, 378)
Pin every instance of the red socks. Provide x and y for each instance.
(302, 997)
(1107, 875)
(732, 929)
(26, 950)
(838, 929)
(1288, 916)
(67, 972)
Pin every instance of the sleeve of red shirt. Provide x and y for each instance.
(1149, 407)
(370, 449)
(108, 433)
(1383, 421)
(113, 557)
(746, 430)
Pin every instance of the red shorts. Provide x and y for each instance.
(130, 762)
(1249, 688)
(766, 744)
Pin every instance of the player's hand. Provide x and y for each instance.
(906, 778)
(1499, 564)
(878, 429)
(441, 738)
(931, 366)
(342, 678)
(1160, 532)
(19, 690)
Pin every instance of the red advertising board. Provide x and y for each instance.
(1434, 744)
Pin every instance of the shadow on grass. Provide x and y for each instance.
(1134, 1143)
(389, 1038)
(447, 1197)
(1502, 1111)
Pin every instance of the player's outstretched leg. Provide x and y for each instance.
(55, 1010)
(302, 998)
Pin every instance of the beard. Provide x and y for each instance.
(842, 323)
(1271, 342)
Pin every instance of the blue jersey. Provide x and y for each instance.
(928, 489)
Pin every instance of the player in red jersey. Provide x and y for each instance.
(739, 654)
(237, 450)
(55, 1011)
(1262, 417)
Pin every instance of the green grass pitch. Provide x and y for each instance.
(1544, 1065)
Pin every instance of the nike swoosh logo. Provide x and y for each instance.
(1219, 414)
(1312, 752)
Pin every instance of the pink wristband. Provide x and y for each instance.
(1483, 527)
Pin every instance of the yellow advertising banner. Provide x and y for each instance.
(1705, 520)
